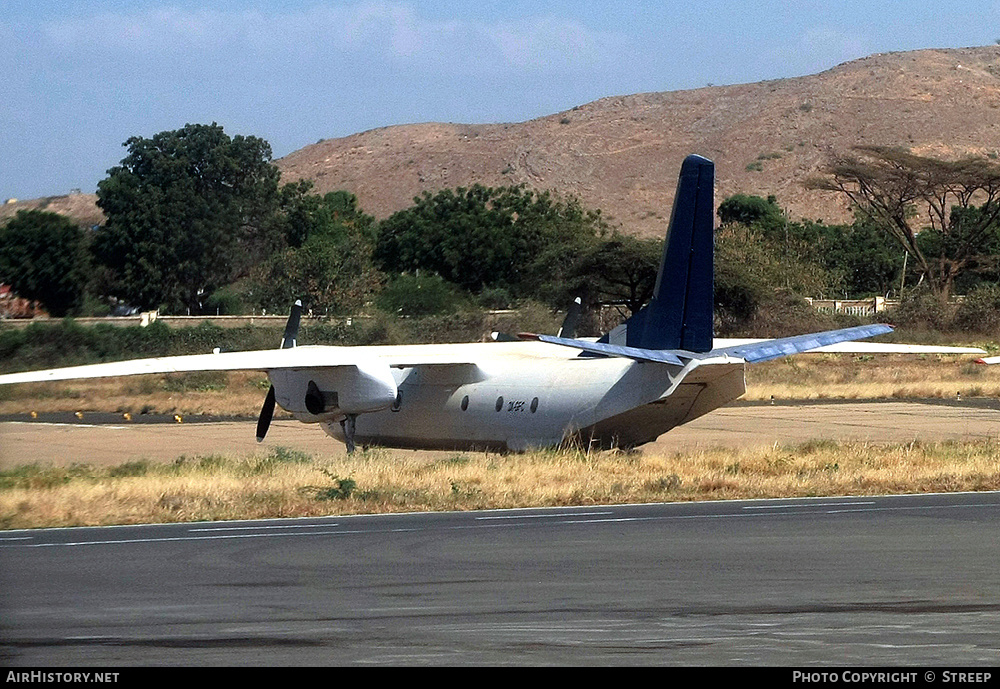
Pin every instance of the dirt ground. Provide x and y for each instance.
(24, 442)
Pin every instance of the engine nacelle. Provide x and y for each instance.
(322, 394)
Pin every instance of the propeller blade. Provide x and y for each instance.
(266, 412)
(568, 329)
(292, 326)
(502, 337)
(287, 342)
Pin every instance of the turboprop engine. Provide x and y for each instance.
(338, 392)
(314, 395)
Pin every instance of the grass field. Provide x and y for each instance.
(285, 483)
(839, 376)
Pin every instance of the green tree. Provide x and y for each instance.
(619, 270)
(44, 257)
(302, 215)
(187, 211)
(863, 259)
(510, 237)
(752, 268)
(925, 204)
(331, 277)
(419, 295)
(328, 258)
(850, 260)
(762, 213)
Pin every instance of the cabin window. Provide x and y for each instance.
(534, 405)
(465, 403)
(499, 403)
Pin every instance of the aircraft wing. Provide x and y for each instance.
(313, 356)
(301, 357)
(263, 360)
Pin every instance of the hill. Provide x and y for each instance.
(81, 207)
(622, 154)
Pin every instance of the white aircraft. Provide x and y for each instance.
(659, 369)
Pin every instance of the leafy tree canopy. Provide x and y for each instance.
(764, 214)
(420, 295)
(854, 260)
(187, 211)
(44, 257)
(328, 260)
(510, 237)
(620, 270)
(331, 277)
(945, 214)
(750, 268)
(334, 216)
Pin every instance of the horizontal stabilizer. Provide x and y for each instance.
(658, 355)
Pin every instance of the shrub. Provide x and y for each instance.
(494, 298)
(227, 301)
(419, 295)
(921, 310)
(341, 489)
(980, 312)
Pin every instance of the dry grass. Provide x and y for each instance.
(217, 394)
(291, 484)
(903, 376)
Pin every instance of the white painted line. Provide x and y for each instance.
(810, 505)
(192, 538)
(547, 516)
(255, 528)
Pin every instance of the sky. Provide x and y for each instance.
(78, 78)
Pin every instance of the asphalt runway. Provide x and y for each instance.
(830, 582)
(909, 580)
(105, 439)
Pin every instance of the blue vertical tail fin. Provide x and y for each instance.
(680, 314)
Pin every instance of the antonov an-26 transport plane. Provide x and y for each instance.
(658, 369)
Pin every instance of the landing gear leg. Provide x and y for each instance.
(348, 425)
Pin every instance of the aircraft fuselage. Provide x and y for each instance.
(518, 396)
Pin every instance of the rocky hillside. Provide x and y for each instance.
(82, 207)
(622, 154)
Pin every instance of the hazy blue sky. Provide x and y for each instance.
(78, 78)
